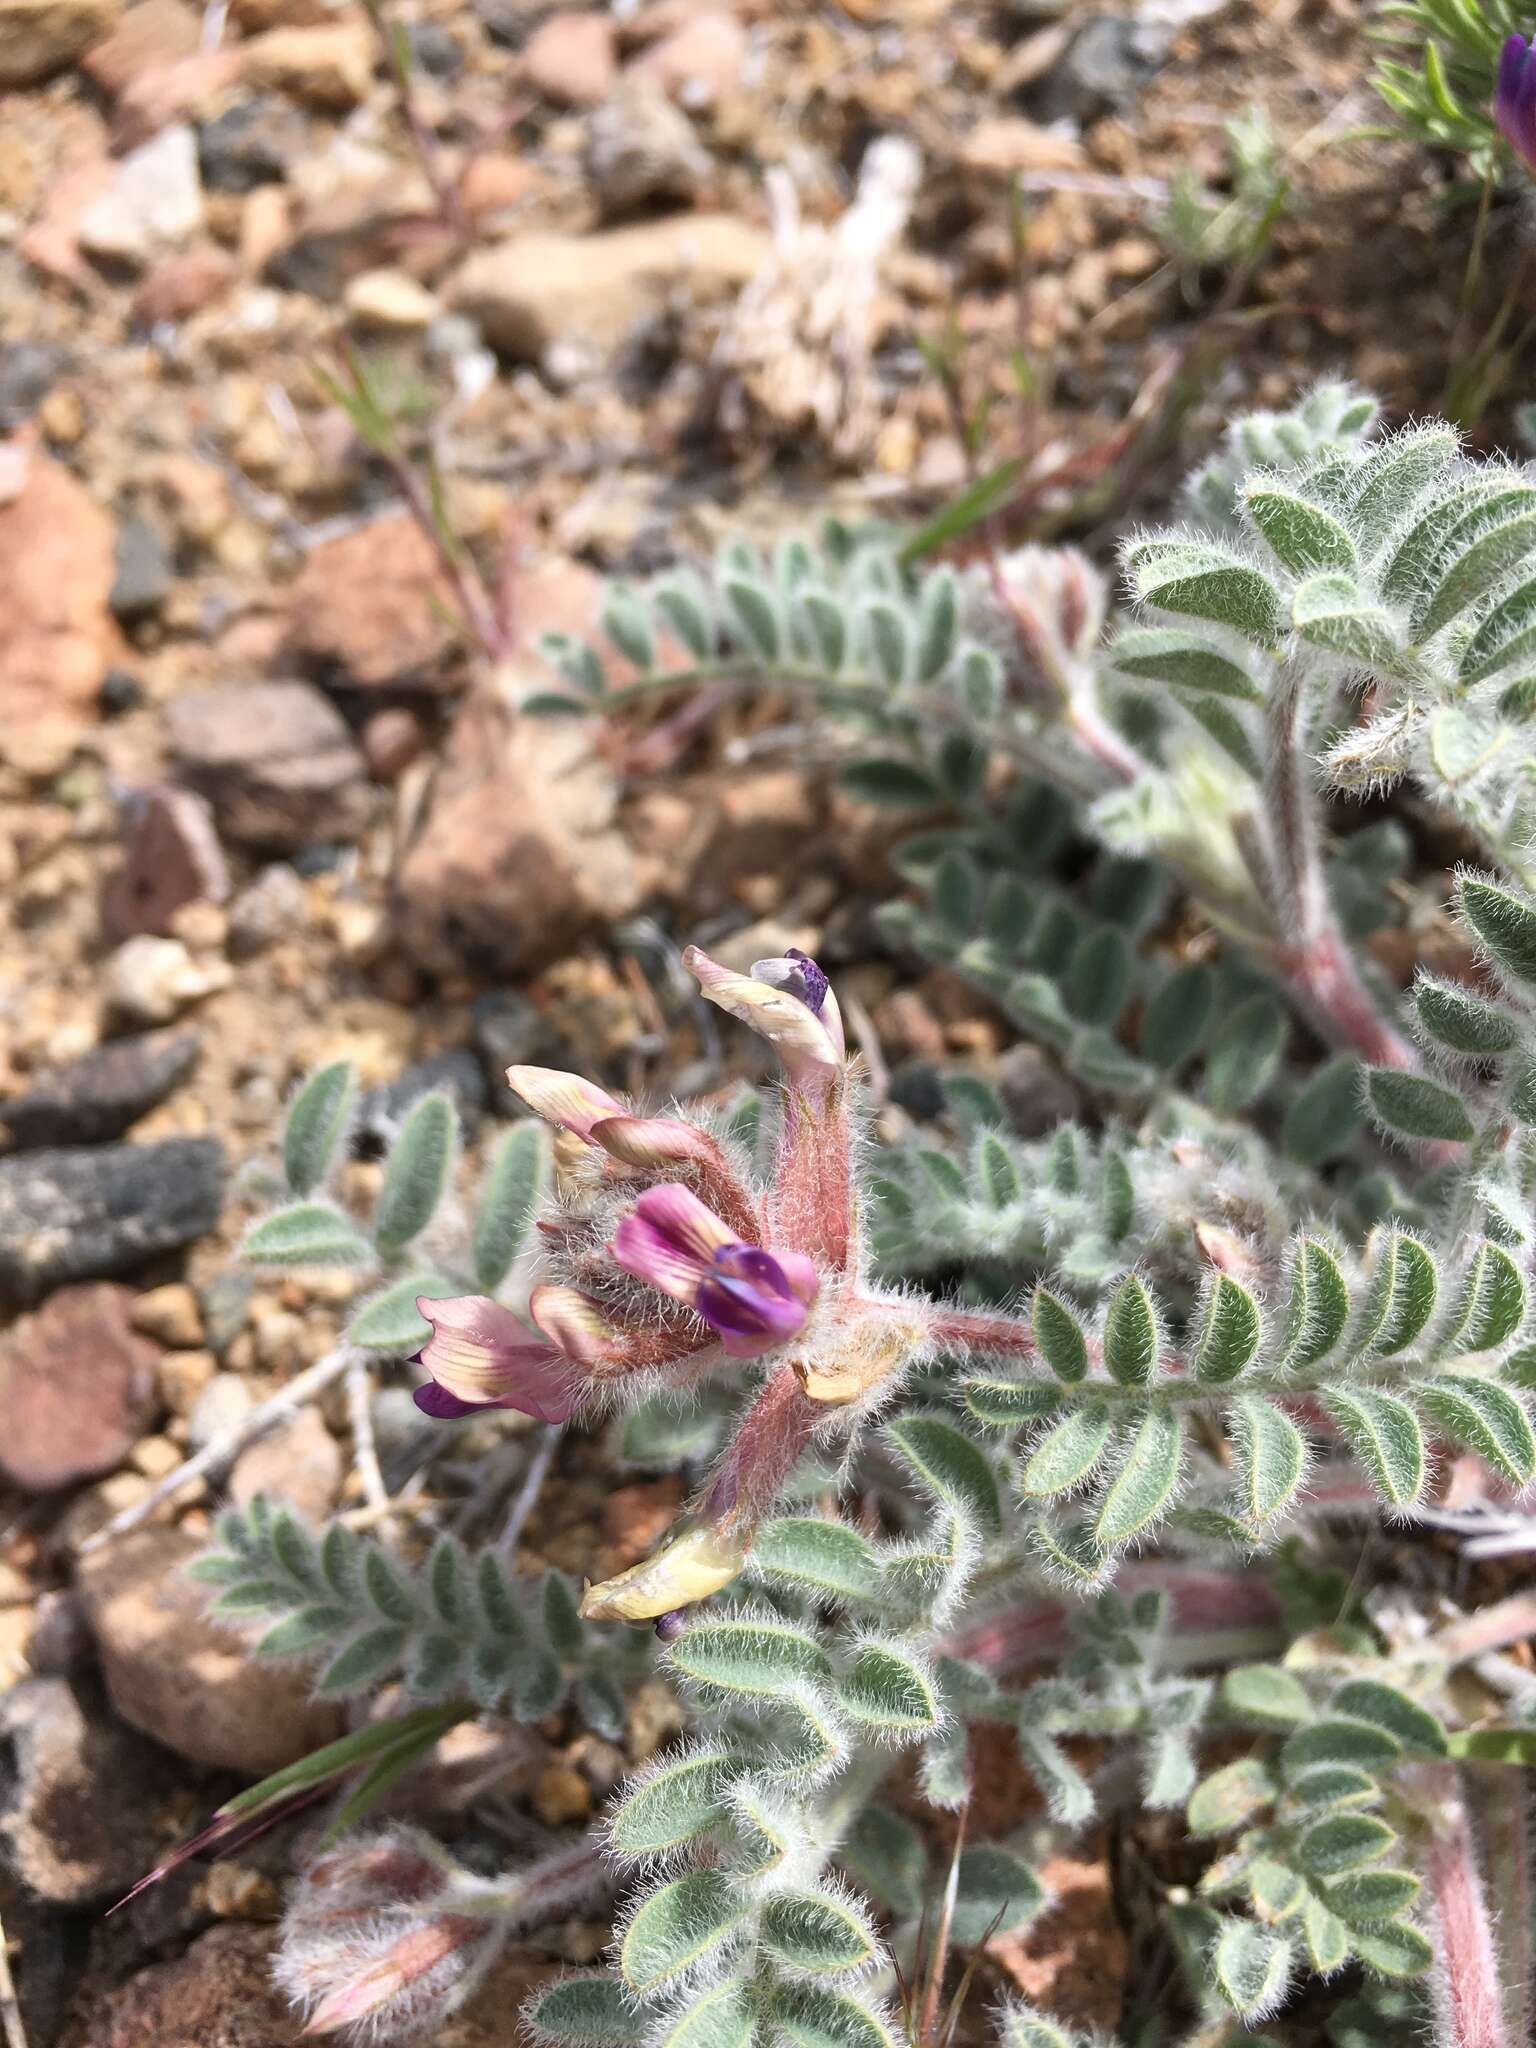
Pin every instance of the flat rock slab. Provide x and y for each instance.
(276, 761)
(97, 1097)
(95, 1211)
(77, 1388)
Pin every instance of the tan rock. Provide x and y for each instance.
(218, 1994)
(571, 59)
(327, 68)
(374, 605)
(1008, 142)
(155, 201)
(699, 62)
(151, 34)
(184, 284)
(537, 289)
(182, 1376)
(40, 37)
(170, 1314)
(391, 300)
(57, 635)
(177, 1674)
(299, 1464)
(275, 760)
(561, 1796)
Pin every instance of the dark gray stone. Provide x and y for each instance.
(435, 49)
(252, 144)
(97, 1097)
(276, 761)
(97, 1211)
(1104, 70)
(143, 570)
(508, 1032)
(28, 372)
(1036, 1093)
(917, 1086)
(457, 1073)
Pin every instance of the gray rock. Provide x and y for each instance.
(96, 1098)
(917, 1086)
(268, 909)
(458, 1073)
(28, 372)
(143, 570)
(83, 1820)
(253, 143)
(94, 1211)
(639, 148)
(508, 1032)
(275, 760)
(1104, 69)
(1036, 1093)
(435, 49)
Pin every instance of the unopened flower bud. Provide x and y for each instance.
(566, 1100)
(385, 1937)
(683, 1572)
(795, 1011)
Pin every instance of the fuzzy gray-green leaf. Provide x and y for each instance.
(1385, 1436)
(1272, 1456)
(677, 1927)
(513, 1189)
(306, 1234)
(317, 1124)
(1488, 1419)
(416, 1175)
(1230, 1332)
(1146, 1480)
(1412, 1106)
(1066, 1454)
(1131, 1342)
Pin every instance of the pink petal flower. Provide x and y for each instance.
(752, 1298)
(653, 1141)
(573, 1324)
(481, 1356)
(669, 1240)
(566, 1100)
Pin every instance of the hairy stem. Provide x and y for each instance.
(1468, 2006)
(1315, 956)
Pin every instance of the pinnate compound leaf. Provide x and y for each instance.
(1068, 1452)
(821, 1557)
(317, 1125)
(587, 2010)
(1145, 1482)
(951, 1467)
(1131, 1342)
(1485, 1418)
(1504, 921)
(1384, 1435)
(889, 1857)
(1230, 1332)
(1412, 1106)
(1272, 1456)
(1252, 1966)
(416, 1174)
(306, 1234)
(816, 1933)
(677, 1927)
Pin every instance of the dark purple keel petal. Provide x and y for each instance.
(442, 1406)
(813, 981)
(1514, 97)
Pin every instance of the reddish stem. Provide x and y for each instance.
(1468, 2006)
(970, 1330)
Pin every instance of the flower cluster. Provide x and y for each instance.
(672, 1263)
(1514, 97)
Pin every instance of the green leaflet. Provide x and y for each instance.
(317, 1125)
(1068, 1452)
(584, 2010)
(677, 1926)
(1401, 1298)
(416, 1174)
(1146, 1480)
(1252, 1967)
(1266, 1693)
(996, 1892)
(1504, 921)
(819, 2016)
(951, 1466)
(1493, 1302)
(1230, 1333)
(1385, 1436)
(816, 1933)
(1130, 1335)
(1384, 1706)
(1231, 1797)
(824, 1557)
(1318, 1307)
(1410, 1106)
(1488, 1419)
(748, 1655)
(888, 1691)
(678, 1800)
(1272, 1456)
(1060, 1336)
(720, 2018)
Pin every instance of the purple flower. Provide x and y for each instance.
(1514, 97)
(481, 1356)
(756, 1300)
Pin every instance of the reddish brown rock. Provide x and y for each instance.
(374, 606)
(190, 1681)
(77, 1389)
(219, 1994)
(299, 1464)
(57, 634)
(699, 62)
(151, 34)
(570, 59)
(519, 857)
(184, 284)
(171, 856)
